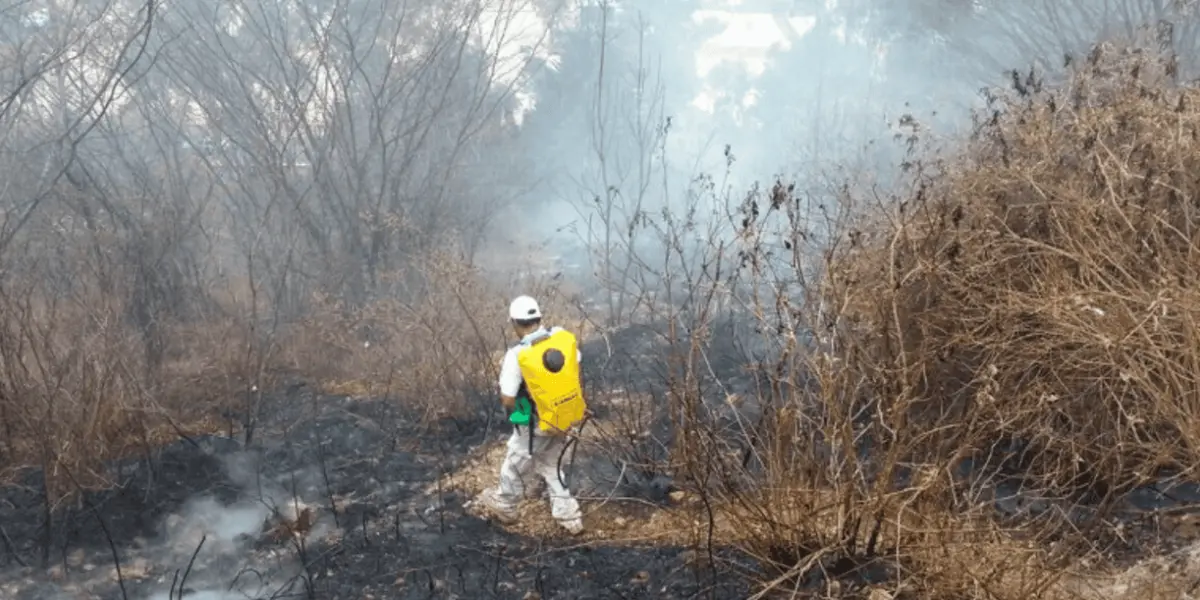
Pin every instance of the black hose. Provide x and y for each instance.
(571, 441)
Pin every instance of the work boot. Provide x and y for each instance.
(503, 514)
(573, 526)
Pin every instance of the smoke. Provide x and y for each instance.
(221, 526)
(204, 595)
(636, 102)
(222, 536)
(228, 543)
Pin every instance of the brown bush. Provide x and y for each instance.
(77, 389)
(1055, 261)
(436, 344)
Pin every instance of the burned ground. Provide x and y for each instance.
(390, 534)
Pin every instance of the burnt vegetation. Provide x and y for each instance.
(956, 387)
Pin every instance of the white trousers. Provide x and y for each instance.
(520, 464)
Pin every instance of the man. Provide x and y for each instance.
(539, 381)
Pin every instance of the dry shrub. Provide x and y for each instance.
(79, 388)
(112, 347)
(108, 352)
(435, 342)
(1056, 261)
(1025, 314)
(1023, 317)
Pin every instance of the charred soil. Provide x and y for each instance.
(341, 498)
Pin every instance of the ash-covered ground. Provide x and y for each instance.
(373, 494)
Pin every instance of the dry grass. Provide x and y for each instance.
(610, 517)
(77, 387)
(1029, 307)
(1054, 263)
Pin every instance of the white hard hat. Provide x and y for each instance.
(524, 308)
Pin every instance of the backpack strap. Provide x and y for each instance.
(536, 337)
(530, 341)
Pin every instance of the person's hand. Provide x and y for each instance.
(509, 403)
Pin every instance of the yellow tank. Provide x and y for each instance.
(550, 368)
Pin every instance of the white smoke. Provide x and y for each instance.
(228, 533)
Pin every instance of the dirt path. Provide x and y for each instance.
(399, 530)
